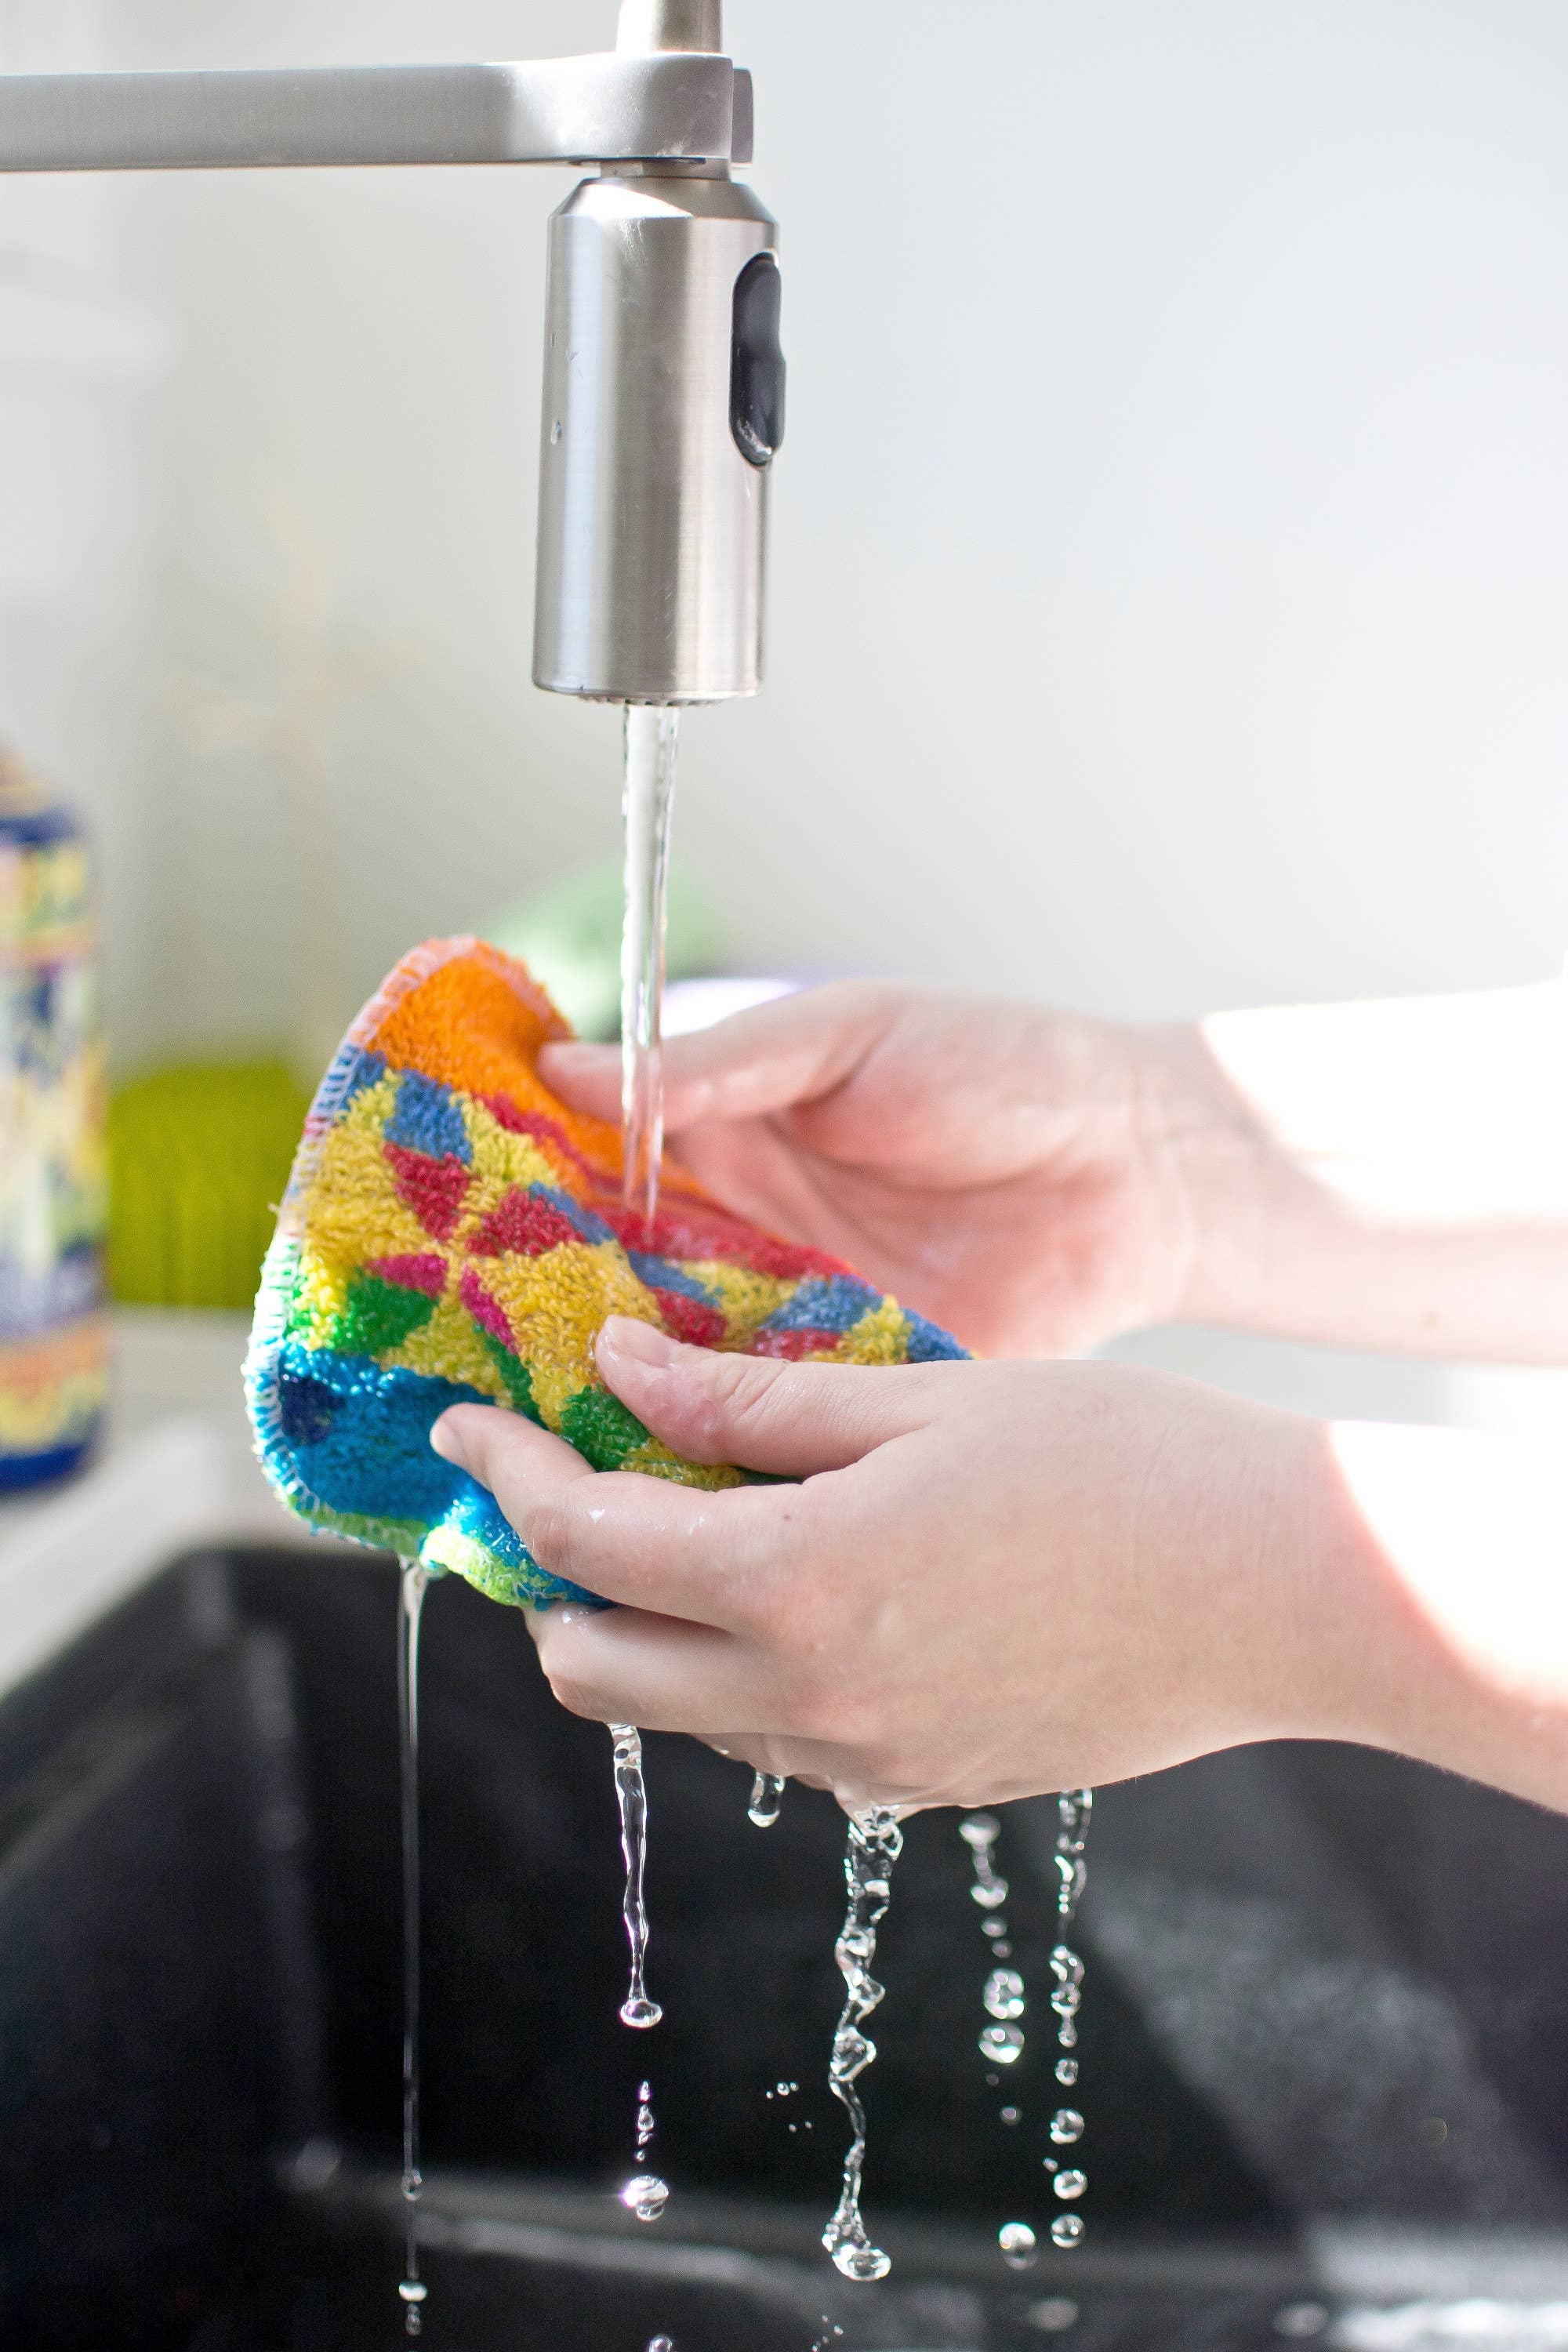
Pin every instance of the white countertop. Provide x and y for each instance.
(175, 1471)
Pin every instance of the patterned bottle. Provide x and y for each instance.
(53, 1191)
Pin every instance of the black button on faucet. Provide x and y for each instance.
(757, 363)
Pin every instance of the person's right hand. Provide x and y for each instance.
(1021, 1177)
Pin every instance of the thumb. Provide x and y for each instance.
(792, 1419)
(794, 1050)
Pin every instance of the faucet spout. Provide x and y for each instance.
(672, 24)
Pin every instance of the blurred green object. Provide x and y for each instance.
(199, 1157)
(569, 936)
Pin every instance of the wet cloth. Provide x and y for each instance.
(453, 1234)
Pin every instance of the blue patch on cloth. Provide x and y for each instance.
(928, 1344)
(428, 1119)
(663, 1274)
(355, 1071)
(825, 1303)
(361, 1434)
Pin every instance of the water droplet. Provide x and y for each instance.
(1070, 2185)
(993, 1927)
(1004, 1951)
(1066, 2072)
(661, 2344)
(861, 2261)
(641, 2012)
(1004, 1993)
(556, 430)
(1055, 2315)
(1011, 2114)
(646, 2195)
(1066, 2232)
(980, 1831)
(1002, 2044)
(990, 1894)
(1067, 2124)
(767, 1797)
(1017, 2241)
(413, 2290)
(1302, 2319)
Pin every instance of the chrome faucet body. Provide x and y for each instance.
(663, 378)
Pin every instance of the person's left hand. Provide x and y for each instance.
(993, 1579)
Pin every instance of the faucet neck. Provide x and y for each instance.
(671, 25)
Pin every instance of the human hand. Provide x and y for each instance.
(994, 1580)
(1020, 1177)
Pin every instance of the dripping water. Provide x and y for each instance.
(1004, 1996)
(767, 1797)
(1004, 2001)
(631, 1796)
(645, 2194)
(1073, 1809)
(875, 1843)
(414, 1581)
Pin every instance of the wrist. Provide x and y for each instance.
(1239, 1215)
(1446, 1559)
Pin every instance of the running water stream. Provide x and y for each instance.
(876, 1841)
(631, 1796)
(414, 1581)
(652, 737)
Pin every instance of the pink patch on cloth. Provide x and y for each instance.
(705, 1232)
(434, 1189)
(426, 1273)
(486, 1313)
(791, 1346)
(690, 1320)
(522, 1225)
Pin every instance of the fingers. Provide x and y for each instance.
(640, 1542)
(792, 1419)
(794, 1050)
(624, 1666)
(627, 1668)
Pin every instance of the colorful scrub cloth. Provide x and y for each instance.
(454, 1235)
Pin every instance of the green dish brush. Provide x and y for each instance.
(199, 1157)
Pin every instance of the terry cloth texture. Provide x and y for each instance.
(453, 1234)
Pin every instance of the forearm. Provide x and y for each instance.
(1438, 1563)
(1385, 1175)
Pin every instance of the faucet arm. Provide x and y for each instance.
(617, 107)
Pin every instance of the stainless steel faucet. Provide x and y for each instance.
(663, 376)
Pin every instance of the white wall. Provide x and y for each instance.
(77, 362)
(1171, 585)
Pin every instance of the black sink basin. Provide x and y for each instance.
(1324, 2048)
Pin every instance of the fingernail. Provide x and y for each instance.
(625, 1336)
(446, 1441)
